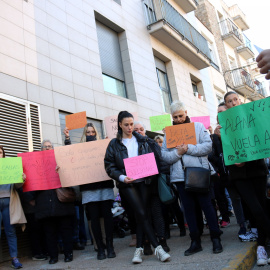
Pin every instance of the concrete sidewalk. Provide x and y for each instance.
(236, 255)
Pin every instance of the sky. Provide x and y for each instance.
(258, 19)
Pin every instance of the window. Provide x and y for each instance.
(214, 61)
(118, 2)
(19, 125)
(111, 60)
(195, 89)
(76, 134)
(219, 99)
(163, 84)
(149, 11)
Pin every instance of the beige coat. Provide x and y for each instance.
(15, 208)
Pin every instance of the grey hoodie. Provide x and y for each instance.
(196, 155)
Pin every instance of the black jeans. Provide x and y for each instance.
(137, 196)
(96, 210)
(36, 235)
(52, 226)
(189, 202)
(252, 191)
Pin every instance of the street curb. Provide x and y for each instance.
(244, 260)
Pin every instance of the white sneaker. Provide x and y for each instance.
(262, 258)
(138, 255)
(161, 254)
(248, 237)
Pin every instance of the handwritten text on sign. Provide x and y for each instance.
(82, 163)
(39, 168)
(160, 121)
(11, 170)
(245, 132)
(205, 120)
(111, 125)
(141, 166)
(179, 134)
(76, 120)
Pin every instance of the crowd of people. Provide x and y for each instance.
(56, 226)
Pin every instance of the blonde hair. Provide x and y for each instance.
(83, 138)
(158, 137)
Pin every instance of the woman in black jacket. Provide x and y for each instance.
(55, 217)
(98, 199)
(136, 192)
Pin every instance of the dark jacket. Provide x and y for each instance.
(48, 205)
(93, 186)
(116, 153)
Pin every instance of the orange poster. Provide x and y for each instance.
(179, 134)
(76, 120)
(82, 163)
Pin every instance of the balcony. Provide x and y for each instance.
(244, 84)
(245, 50)
(187, 5)
(230, 33)
(173, 30)
(239, 17)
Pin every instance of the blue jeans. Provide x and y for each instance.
(9, 229)
(189, 202)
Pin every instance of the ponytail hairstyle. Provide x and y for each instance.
(83, 138)
(2, 148)
(121, 116)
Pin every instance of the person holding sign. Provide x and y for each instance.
(136, 192)
(250, 180)
(98, 198)
(9, 199)
(56, 217)
(193, 156)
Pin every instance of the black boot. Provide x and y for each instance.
(195, 245)
(110, 249)
(217, 247)
(163, 243)
(101, 252)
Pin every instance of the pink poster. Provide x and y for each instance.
(39, 168)
(205, 120)
(141, 166)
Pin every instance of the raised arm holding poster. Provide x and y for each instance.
(82, 163)
(245, 132)
(39, 168)
(11, 170)
(179, 134)
(141, 166)
(159, 122)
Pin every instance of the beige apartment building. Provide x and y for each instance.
(235, 50)
(62, 57)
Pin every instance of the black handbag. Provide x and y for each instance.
(197, 179)
(165, 192)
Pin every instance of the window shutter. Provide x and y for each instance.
(15, 126)
(110, 54)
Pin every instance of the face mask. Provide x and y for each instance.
(90, 138)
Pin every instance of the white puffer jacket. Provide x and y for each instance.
(196, 155)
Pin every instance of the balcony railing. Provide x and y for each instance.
(259, 87)
(169, 15)
(247, 43)
(242, 77)
(228, 27)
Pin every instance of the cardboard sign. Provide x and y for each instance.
(179, 134)
(39, 168)
(159, 122)
(141, 166)
(245, 132)
(82, 163)
(11, 170)
(111, 125)
(76, 120)
(205, 120)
